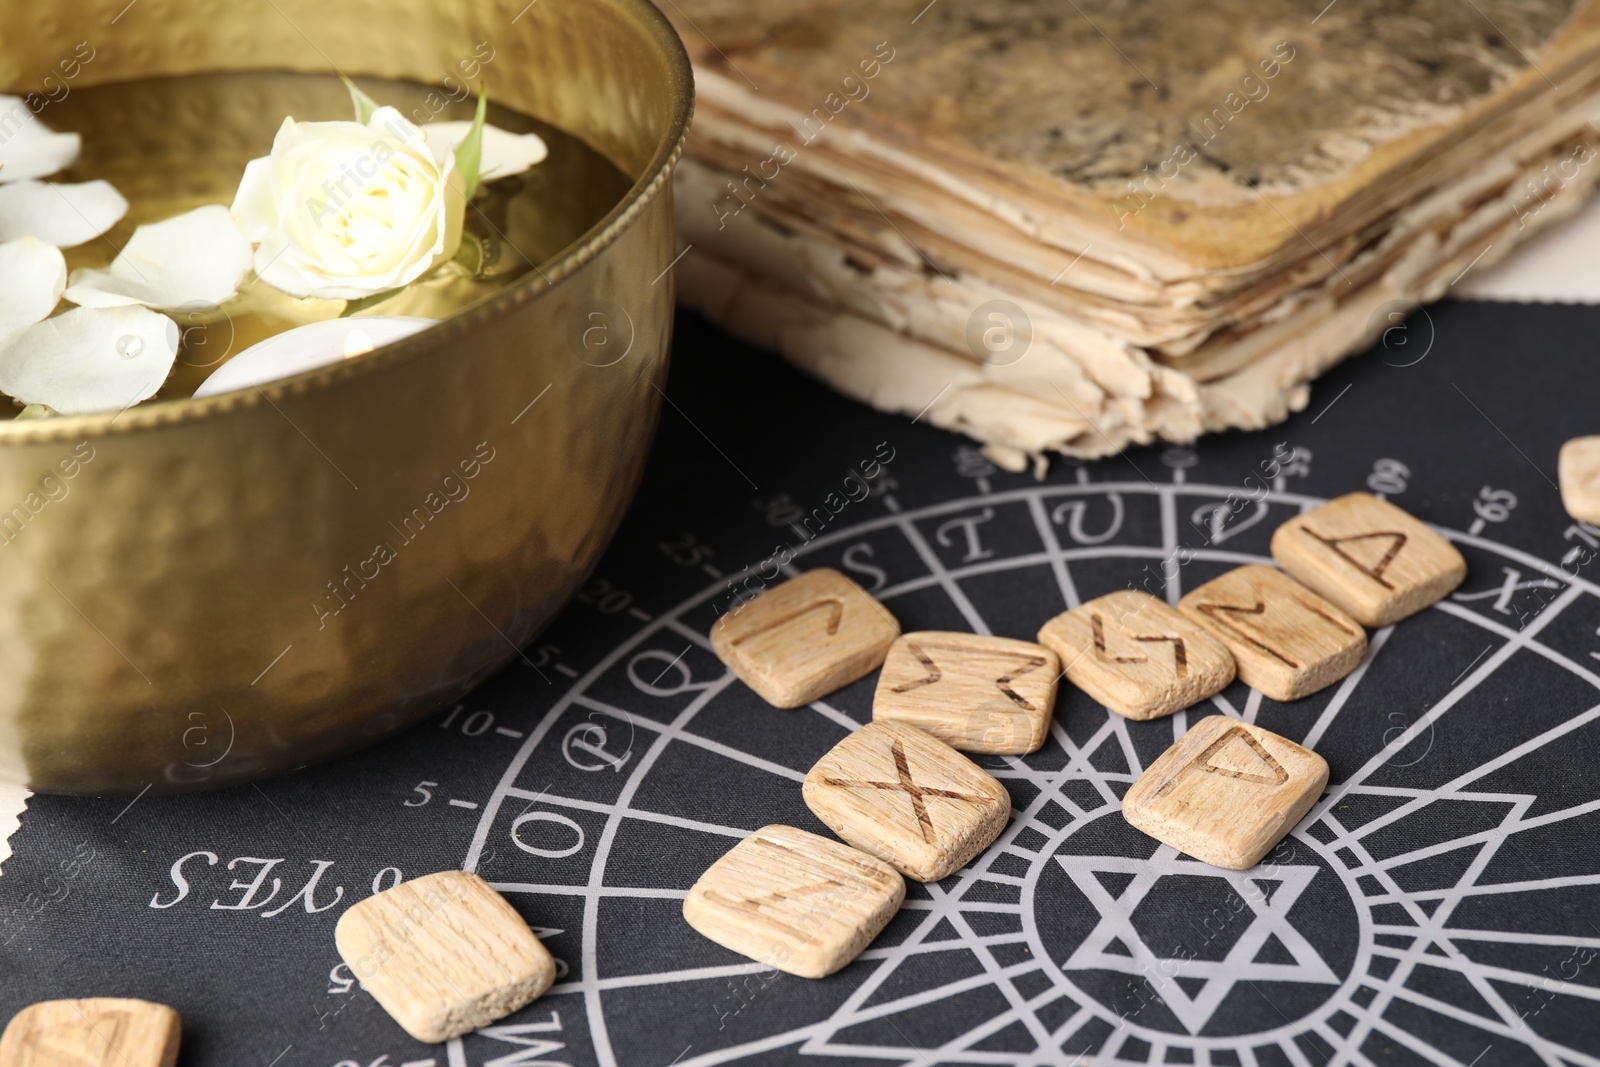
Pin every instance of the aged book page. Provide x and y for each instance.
(1185, 213)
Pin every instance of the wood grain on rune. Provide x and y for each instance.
(1226, 792)
(1288, 642)
(443, 954)
(1137, 656)
(794, 901)
(1369, 557)
(97, 1032)
(973, 692)
(1579, 473)
(801, 640)
(908, 798)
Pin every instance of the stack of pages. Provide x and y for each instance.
(1075, 225)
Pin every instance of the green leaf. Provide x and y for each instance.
(365, 105)
(35, 411)
(355, 306)
(469, 154)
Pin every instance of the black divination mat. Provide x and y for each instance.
(1441, 905)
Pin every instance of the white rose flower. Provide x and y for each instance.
(347, 210)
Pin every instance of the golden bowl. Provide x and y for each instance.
(168, 575)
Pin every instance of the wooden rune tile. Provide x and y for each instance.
(1137, 656)
(1288, 642)
(1578, 470)
(97, 1032)
(443, 954)
(801, 640)
(906, 797)
(1369, 557)
(1226, 792)
(974, 693)
(794, 901)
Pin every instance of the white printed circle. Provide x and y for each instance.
(1415, 899)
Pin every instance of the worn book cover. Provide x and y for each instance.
(1207, 131)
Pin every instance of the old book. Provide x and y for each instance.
(1075, 228)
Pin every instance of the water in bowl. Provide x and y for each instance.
(174, 144)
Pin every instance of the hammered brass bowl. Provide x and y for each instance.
(165, 607)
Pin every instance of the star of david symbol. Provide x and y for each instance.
(1194, 988)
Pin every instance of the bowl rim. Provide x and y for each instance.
(657, 173)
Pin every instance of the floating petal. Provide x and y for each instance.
(308, 347)
(195, 260)
(505, 154)
(28, 148)
(90, 359)
(61, 215)
(32, 276)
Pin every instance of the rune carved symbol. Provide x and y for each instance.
(909, 786)
(1003, 683)
(1180, 655)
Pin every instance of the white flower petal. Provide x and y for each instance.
(29, 148)
(61, 215)
(308, 347)
(505, 154)
(196, 259)
(254, 207)
(90, 359)
(32, 276)
(393, 124)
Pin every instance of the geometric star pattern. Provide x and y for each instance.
(979, 933)
(1457, 850)
(1266, 911)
